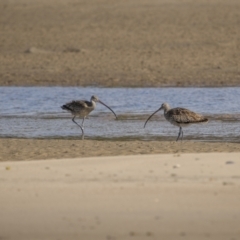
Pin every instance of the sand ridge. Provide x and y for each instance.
(137, 43)
(12, 149)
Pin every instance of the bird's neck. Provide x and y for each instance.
(166, 110)
(93, 103)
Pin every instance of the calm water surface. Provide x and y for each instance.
(34, 112)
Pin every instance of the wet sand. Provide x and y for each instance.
(137, 43)
(167, 196)
(32, 149)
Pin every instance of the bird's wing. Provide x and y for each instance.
(77, 105)
(185, 116)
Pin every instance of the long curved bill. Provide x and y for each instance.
(151, 116)
(108, 108)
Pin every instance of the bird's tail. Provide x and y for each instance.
(66, 107)
(203, 120)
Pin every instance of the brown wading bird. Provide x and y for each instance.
(82, 108)
(180, 117)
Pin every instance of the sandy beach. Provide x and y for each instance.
(137, 43)
(167, 196)
(119, 190)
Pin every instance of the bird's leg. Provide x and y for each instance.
(83, 122)
(79, 126)
(182, 136)
(180, 130)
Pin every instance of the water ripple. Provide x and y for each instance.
(34, 112)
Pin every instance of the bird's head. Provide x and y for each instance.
(94, 98)
(165, 107)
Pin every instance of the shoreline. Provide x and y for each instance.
(13, 149)
(122, 189)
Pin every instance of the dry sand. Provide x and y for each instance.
(120, 43)
(187, 196)
(136, 43)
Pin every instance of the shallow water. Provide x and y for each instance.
(34, 112)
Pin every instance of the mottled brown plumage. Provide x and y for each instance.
(180, 117)
(82, 109)
(79, 108)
